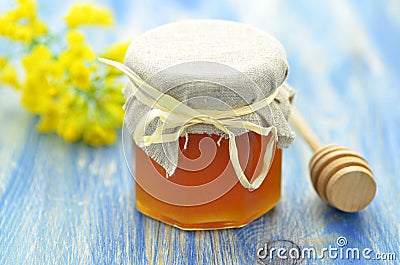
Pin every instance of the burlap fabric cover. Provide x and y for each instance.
(210, 64)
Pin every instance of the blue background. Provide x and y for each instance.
(71, 204)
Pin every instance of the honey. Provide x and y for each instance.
(204, 192)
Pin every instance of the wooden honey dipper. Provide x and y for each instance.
(341, 177)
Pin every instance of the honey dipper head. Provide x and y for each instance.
(342, 178)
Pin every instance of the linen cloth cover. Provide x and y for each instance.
(210, 64)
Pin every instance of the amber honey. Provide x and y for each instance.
(207, 194)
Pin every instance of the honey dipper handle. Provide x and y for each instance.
(301, 127)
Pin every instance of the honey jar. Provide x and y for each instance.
(207, 108)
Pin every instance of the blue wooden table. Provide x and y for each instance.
(71, 204)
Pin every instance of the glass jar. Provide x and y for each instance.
(198, 79)
(204, 192)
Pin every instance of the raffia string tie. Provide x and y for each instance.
(175, 114)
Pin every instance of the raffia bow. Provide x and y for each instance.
(175, 114)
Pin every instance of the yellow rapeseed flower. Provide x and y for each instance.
(8, 75)
(75, 38)
(27, 8)
(80, 75)
(97, 135)
(36, 103)
(3, 62)
(22, 24)
(43, 80)
(38, 57)
(71, 132)
(48, 122)
(110, 114)
(77, 49)
(71, 126)
(72, 95)
(88, 14)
